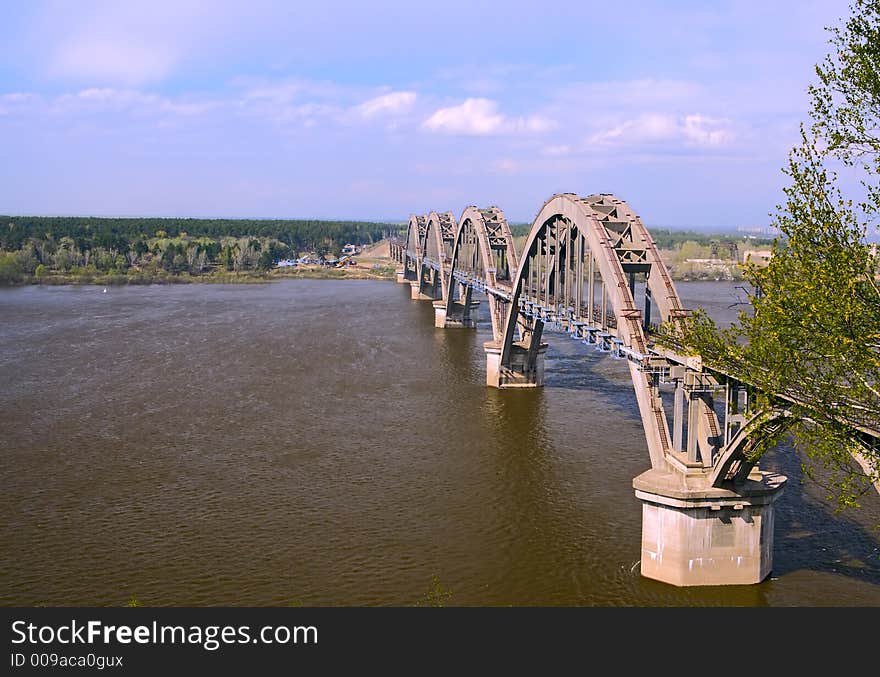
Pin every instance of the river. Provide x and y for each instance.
(320, 443)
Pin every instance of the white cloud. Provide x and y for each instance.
(474, 116)
(113, 59)
(648, 127)
(693, 130)
(705, 131)
(291, 101)
(480, 117)
(392, 103)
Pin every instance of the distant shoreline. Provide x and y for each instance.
(226, 277)
(249, 277)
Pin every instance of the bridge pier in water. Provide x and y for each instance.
(460, 315)
(525, 367)
(706, 535)
(419, 292)
(457, 311)
(707, 510)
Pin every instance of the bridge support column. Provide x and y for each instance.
(707, 536)
(440, 314)
(416, 292)
(459, 317)
(401, 276)
(519, 374)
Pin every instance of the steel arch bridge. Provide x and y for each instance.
(590, 268)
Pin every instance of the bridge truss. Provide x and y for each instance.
(590, 268)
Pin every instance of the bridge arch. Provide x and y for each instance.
(483, 258)
(578, 271)
(412, 248)
(436, 254)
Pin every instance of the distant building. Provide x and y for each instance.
(350, 249)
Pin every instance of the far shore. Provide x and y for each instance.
(373, 263)
(225, 277)
(385, 272)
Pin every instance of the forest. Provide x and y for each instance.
(67, 248)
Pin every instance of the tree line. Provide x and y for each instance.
(36, 246)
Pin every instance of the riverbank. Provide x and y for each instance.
(373, 263)
(218, 277)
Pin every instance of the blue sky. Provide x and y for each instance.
(377, 110)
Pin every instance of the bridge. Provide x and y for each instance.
(590, 268)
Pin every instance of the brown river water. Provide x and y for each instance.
(320, 443)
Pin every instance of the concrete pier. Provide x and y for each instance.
(400, 276)
(519, 374)
(416, 292)
(703, 535)
(440, 314)
(458, 318)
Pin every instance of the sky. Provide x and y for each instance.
(376, 110)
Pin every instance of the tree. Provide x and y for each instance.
(64, 260)
(811, 339)
(265, 262)
(10, 268)
(192, 254)
(27, 257)
(226, 257)
(178, 263)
